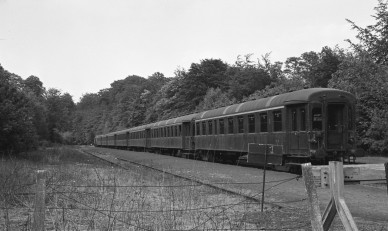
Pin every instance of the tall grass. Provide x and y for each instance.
(113, 198)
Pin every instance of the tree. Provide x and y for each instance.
(35, 85)
(374, 38)
(315, 69)
(17, 132)
(60, 111)
(209, 73)
(215, 98)
(246, 77)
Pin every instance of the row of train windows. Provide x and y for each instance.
(173, 131)
(227, 125)
(244, 124)
(136, 135)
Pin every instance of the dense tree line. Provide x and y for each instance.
(30, 114)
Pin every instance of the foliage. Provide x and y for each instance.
(215, 98)
(17, 131)
(245, 77)
(374, 38)
(315, 69)
(368, 81)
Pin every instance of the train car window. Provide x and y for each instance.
(197, 131)
(230, 125)
(277, 121)
(240, 122)
(203, 128)
(302, 113)
(251, 123)
(222, 126)
(263, 122)
(294, 121)
(210, 126)
(317, 118)
(176, 131)
(215, 127)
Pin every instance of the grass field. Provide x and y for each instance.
(83, 193)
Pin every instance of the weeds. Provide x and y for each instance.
(89, 195)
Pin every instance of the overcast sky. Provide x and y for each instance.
(81, 46)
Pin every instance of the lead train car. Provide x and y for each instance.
(310, 125)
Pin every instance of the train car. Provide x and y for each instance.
(309, 125)
(138, 137)
(121, 139)
(174, 136)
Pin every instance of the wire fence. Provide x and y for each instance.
(137, 207)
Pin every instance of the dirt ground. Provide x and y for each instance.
(368, 205)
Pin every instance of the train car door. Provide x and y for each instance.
(297, 127)
(335, 125)
(148, 138)
(187, 136)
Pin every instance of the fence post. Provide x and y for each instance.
(337, 203)
(315, 213)
(40, 196)
(265, 167)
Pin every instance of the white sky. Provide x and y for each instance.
(81, 46)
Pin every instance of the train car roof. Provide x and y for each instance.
(274, 102)
(174, 121)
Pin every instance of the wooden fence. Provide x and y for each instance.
(335, 175)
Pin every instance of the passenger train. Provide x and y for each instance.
(311, 125)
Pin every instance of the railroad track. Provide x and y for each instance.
(119, 163)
